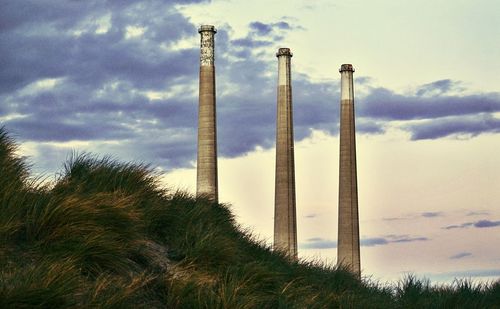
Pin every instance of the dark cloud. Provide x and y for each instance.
(265, 29)
(246, 115)
(370, 242)
(251, 43)
(382, 103)
(102, 78)
(439, 106)
(102, 83)
(477, 224)
(71, 71)
(262, 35)
(95, 58)
(432, 214)
(283, 25)
(458, 226)
(14, 16)
(460, 255)
(404, 238)
(409, 239)
(367, 126)
(46, 130)
(261, 28)
(438, 87)
(321, 243)
(470, 126)
(486, 223)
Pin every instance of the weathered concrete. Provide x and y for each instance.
(285, 222)
(348, 229)
(206, 181)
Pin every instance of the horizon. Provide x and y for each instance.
(121, 80)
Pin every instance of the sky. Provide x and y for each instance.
(120, 78)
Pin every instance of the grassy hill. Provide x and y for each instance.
(106, 234)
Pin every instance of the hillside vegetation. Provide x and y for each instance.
(106, 234)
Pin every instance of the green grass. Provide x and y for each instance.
(106, 234)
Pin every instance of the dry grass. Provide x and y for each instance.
(106, 235)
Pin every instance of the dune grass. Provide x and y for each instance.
(106, 234)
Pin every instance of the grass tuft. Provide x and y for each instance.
(105, 234)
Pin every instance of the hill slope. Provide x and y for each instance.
(105, 234)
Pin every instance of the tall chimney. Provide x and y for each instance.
(348, 233)
(285, 222)
(206, 181)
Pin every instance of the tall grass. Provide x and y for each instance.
(105, 234)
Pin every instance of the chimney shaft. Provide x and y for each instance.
(206, 181)
(348, 228)
(285, 223)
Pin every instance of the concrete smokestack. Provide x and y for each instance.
(206, 181)
(348, 233)
(285, 222)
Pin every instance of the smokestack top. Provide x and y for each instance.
(204, 28)
(284, 52)
(346, 67)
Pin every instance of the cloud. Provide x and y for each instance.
(467, 274)
(251, 43)
(429, 214)
(318, 243)
(458, 226)
(477, 213)
(72, 72)
(460, 255)
(261, 28)
(438, 87)
(69, 44)
(478, 273)
(104, 79)
(432, 214)
(321, 243)
(365, 126)
(410, 239)
(246, 117)
(370, 242)
(435, 111)
(404, 238)
(394, 218)
(283, 25)
(382, 103)
(262, 35)
(140, 93)
(486, 223)
(466, 126)
(477, 224)
(265, 29)
(315, 239)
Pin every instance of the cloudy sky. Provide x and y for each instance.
(121, 78)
